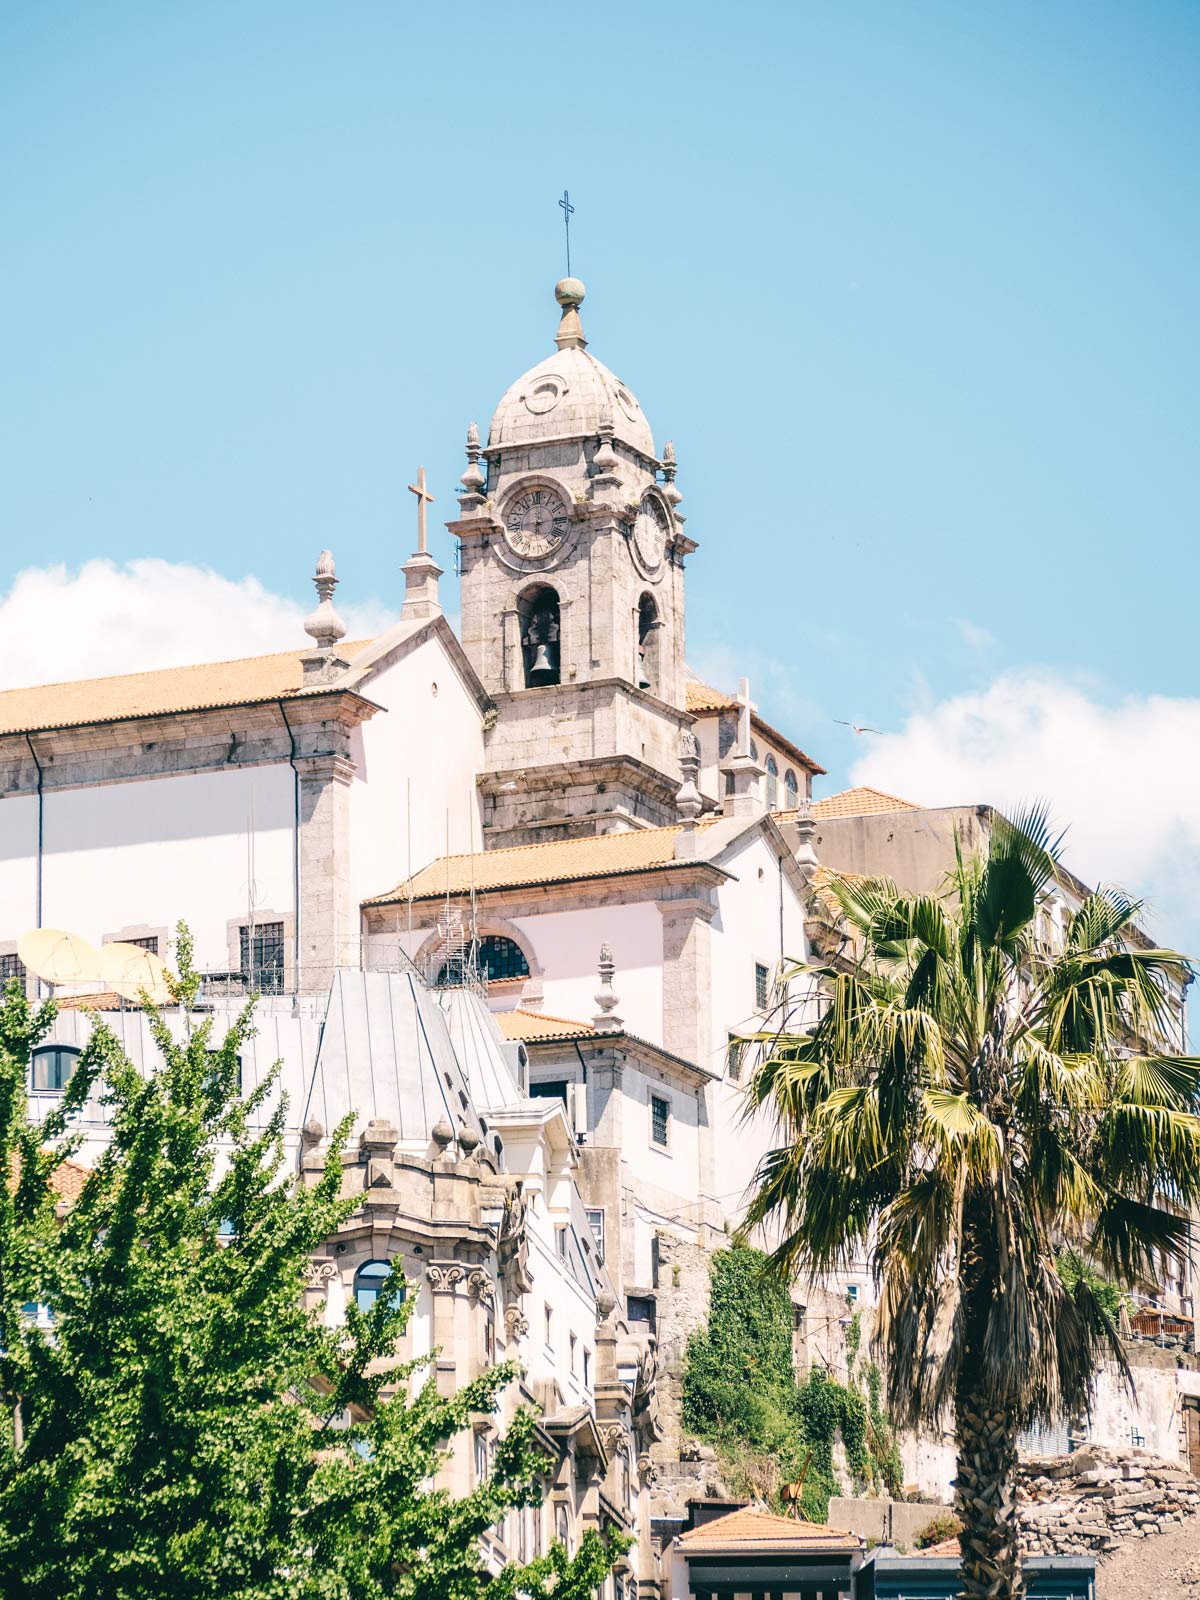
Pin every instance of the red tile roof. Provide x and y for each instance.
(249, 681)
(530, 1025)
(759, 1532)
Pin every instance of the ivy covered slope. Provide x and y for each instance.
(175, 1435)
(740, 1394)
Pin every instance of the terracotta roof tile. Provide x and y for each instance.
(699, 697)
(105, 1000)
(601, 855)
(759, 1531)
(249, 681)
(948, 1547)
(529, 1025)
(860, 802)
(67, 1179)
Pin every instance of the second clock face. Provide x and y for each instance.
(650, 532)
(536, 523)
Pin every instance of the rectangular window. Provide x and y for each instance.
(150, 942)
(762, 986)
(641, 1310)
(261, 956)
(560, 1239)
(660, 1120)
(595, 1218)
(552, 1089)
(549, 1328)
(734, 1058)
(574, 1348)
(11, 966)
(587, 1369)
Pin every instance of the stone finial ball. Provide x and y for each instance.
(569, 292)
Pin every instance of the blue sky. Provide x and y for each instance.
(912, 287)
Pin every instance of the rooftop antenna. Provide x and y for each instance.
(568, 210)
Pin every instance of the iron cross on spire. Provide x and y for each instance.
(568, 211)
(424, 498)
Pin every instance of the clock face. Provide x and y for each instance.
(536, 524)
(650, 532)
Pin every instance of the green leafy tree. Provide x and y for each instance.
(181, 1429)
(965, 1102)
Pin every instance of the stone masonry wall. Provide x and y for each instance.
(1096, 1499)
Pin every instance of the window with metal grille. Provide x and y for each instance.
(734, 1057)
(660, 1119)
(501, 958)
(762, 986)
(11, 966)
(262, 956)
(150, 942)
(52, 1066)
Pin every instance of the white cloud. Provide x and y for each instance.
(976, 637)
(58, 623)
(1122, 778)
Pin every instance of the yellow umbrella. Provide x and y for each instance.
(58, 957)
(129, 970)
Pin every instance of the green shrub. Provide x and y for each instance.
(945, 1525)
(740, 1394)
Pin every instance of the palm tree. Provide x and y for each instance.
(966, 1102)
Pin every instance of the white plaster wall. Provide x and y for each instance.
(746, 931)
(417, 761)
(567, 945)
(18, 866)
(157, 850)
(645, 1165)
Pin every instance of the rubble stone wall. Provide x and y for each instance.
(1097, 1499)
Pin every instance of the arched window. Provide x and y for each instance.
(496, 959)
(753, 751)
(500, 958)
(538, 614)
(368, 1281)
(52, 1067)
(649, 664)
(772, 784)
(792, 784)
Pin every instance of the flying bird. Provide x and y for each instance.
(860, 731)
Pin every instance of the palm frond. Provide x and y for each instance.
(1021, 861)
(1102, 918)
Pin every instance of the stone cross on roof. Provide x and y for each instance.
(746, 708)
(424, 498)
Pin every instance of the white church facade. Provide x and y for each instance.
(508, 897)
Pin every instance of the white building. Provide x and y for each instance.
(508, 899)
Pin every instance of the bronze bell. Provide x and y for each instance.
(643, 680)
(542, 670)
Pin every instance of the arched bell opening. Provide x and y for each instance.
(538, 612)
(649, 650)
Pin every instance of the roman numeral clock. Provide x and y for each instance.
(536, 524)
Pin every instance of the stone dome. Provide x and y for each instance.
(566, 395)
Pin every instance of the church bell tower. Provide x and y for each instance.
(571, 554)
